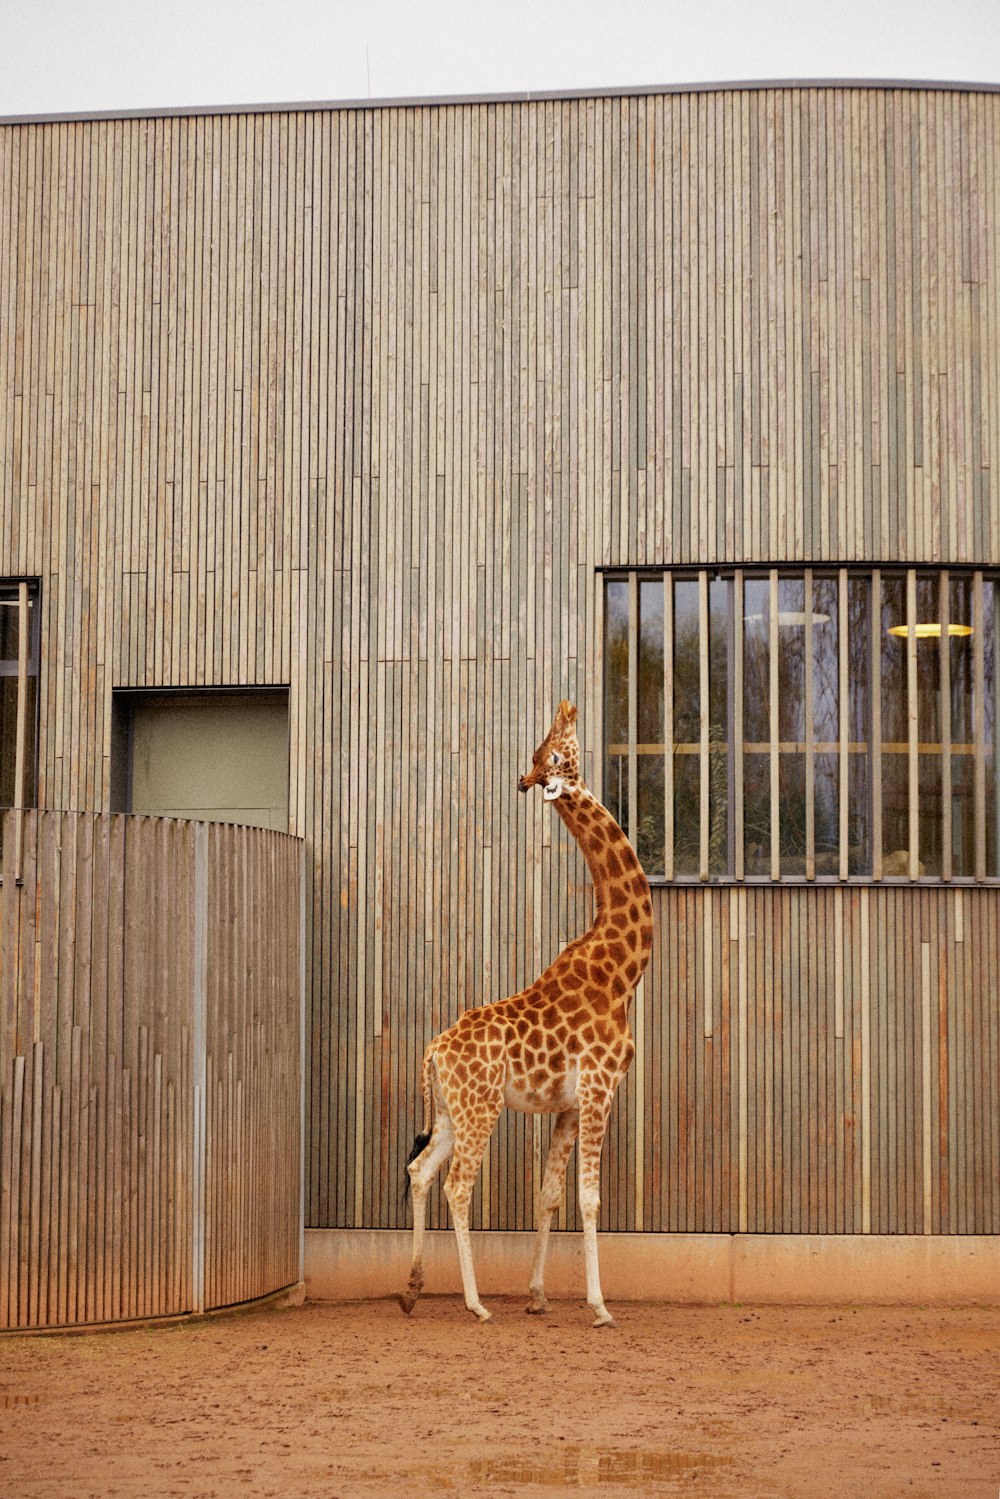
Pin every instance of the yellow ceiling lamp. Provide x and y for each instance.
(930, 630)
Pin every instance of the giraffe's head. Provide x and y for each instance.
(555, 765)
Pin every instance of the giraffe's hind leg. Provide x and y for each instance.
(472, 1138)
(423, 1170)
(563, 1138)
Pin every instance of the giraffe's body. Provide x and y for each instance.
(561, 1046)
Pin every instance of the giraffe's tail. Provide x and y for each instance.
(423, 1139)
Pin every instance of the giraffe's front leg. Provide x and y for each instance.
(593, 1122)
(560, 1148)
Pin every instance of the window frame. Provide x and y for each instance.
(985, 756)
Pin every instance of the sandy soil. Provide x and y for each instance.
(328, 1400)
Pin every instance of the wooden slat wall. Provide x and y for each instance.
(252, 1064)
(96, 1087)
(358, 400)
(850, 1082)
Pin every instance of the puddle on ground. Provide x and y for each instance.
(922, 1405)
(8, 1400)
(596, 1465)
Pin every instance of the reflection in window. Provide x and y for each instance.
(991, 747)
(826, 723)
(929, 756)
(855, 672)
(756, 727)
(895, 729)
(649, 770)
(720, 728)
(687, 721)
(616, 653)
(18, 695)
(791, 726)
(764, 685)
(961, 684)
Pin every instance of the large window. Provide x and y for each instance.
(18, 706)
(805, 724)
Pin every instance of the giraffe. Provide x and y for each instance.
(560, 1047)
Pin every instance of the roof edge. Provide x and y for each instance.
(527, 97)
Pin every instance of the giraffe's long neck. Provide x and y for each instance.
(621, 889)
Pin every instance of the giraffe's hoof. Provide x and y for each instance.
(537, 1305)
(605, 1319)
(482, 1313)
(407, 1301)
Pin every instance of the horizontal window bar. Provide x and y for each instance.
(798, 747)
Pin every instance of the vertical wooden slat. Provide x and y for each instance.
(703, 726)
(21, 727)
(865, 1048)
(810, 729)
(995, 871)
(743, 1065)
(876, 724)
(838, 969)
(708, 975)
(633, 706)
(843, 720)
(979, 720)
(773, 728)
(912, 723)
(926, 1062)
(668, 726)
(737, 740)
(944, 668)
(639, 1149)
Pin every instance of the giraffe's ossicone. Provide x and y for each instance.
(560, 1047)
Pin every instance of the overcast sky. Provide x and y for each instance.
(87, 55)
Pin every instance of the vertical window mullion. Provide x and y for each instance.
(875, 748)
(633, 706)
(996, 724)
(810, 731)
(979, 720)
(911, 722)
(703, 716)
(668, 726)
(21, 726)
(737, 768)
(773, 727)
(944, 615)
(843, 721)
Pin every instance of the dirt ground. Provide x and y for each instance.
(357, 1399)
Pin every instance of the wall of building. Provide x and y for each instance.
(358, 401)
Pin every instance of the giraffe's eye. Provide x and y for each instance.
(556, 757)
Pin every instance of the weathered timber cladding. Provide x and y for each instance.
(100, 1089)
(358, 400)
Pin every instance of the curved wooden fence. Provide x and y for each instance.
(150, 1068)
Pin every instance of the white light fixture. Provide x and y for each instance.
(787, 618)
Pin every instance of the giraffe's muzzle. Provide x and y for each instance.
(522, 784)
